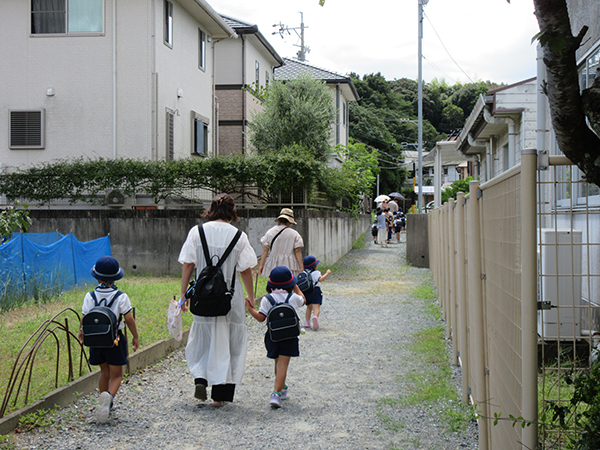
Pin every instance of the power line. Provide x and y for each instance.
(437, 68)
(442, 42)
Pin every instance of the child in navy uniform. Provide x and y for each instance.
(280, 284)
(314, 299)
(374, 231)
(111, 360)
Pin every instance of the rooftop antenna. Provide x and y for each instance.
(301, 55)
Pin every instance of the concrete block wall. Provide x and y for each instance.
(417, 240)
(149, 241)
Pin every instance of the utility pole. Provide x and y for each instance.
(420, 107)
(301, 55)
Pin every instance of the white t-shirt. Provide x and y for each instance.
(279, 295)
(315, 274)
(121, 305)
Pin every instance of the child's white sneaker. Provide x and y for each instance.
(104, 403)
(307, 324)
(315, 323)
(284, 393)
(275, 400)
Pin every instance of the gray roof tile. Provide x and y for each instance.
(292, 68)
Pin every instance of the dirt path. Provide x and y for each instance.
(345, 389)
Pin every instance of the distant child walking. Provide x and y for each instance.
(374, 231)
(111, 360)
(314, 299)
(280, 286)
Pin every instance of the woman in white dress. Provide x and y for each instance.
(285, 245)
(216, 347)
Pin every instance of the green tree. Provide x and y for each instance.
(11, 220)
(455, 188)
(453, 117)
(362, 163)
(296, 112)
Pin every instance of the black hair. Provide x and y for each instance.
(223, 208)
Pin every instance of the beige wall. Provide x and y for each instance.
(79, 117)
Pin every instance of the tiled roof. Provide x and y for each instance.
(235, 23)
(292, 68)
(242, 28)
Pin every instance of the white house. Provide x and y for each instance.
(243, 67)
(501, 124)
(102, 78)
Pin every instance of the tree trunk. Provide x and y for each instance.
(575, 139)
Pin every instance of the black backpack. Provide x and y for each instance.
(100, 325)
(305, 281)
(282, 320)
(210, 296)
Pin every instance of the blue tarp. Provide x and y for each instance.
(48, 260)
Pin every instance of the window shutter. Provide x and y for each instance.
(27, 129)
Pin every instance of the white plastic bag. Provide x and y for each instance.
(174, 319)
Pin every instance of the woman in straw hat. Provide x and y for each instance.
(282, 245)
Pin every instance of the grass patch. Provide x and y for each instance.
(41, 418)
(360, 242)
(426, 291)
(150, 296)
(432, 383)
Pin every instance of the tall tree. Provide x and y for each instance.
(568, 107)
(296, 112)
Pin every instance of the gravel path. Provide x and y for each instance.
(344, 388)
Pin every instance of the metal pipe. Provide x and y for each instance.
(114, 78)
(420, 108)
(475, 281)
(461, 287)
(453, 297)
(529, 391)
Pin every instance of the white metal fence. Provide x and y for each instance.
(516, 262)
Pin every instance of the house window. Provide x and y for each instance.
(344, 112)
(26, 129)
(169, 24)
(67, 16)
(266, 77)
(587, 74)
(199, 134)
(201, 49)
(257, 73)
(170, 135)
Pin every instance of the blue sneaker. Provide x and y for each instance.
(275, 400)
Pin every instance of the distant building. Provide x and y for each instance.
(502, 123)
(243, 67)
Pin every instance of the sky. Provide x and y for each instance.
(463, 40)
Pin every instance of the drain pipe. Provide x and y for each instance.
(512, 135)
